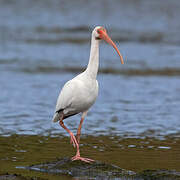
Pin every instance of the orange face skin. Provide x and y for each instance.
(101, 31)
(103, 35)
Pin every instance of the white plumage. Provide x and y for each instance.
(77, 96)
(80, 93)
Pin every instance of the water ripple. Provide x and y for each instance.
(128, 72)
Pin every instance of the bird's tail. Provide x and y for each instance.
(56, 117)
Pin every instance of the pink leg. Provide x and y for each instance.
(77, 156)
(73, 139)
(79, 128)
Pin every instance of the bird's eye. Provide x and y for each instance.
(98, 31)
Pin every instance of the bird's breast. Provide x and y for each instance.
(88, 93)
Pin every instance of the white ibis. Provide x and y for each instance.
(79, 93)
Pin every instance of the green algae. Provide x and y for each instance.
(8, 176)
(159, 174)
(133, 154)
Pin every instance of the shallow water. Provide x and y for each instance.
(45, 43)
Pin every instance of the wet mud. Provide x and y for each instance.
(96, 170)
(8, 176)
(116, 158)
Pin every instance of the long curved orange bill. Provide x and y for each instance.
(105, 36)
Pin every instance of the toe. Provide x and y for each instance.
(82, 159)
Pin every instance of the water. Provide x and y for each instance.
(45, 43)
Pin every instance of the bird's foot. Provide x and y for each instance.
(78, 157)
(73, 140)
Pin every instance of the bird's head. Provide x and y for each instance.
(99, 33)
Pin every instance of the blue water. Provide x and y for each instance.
(45, 43)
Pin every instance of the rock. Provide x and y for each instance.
(99, 170)
(159, 175)
(96, 169)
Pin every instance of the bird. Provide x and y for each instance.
(80, 93)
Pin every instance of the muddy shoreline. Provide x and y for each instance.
(96, 170)
(24, 156)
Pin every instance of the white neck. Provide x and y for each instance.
(93, 64)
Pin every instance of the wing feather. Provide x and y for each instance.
(66, 95)
(76, 96)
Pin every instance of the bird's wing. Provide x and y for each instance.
(65, 97)
(75, 97)
(68, 94)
